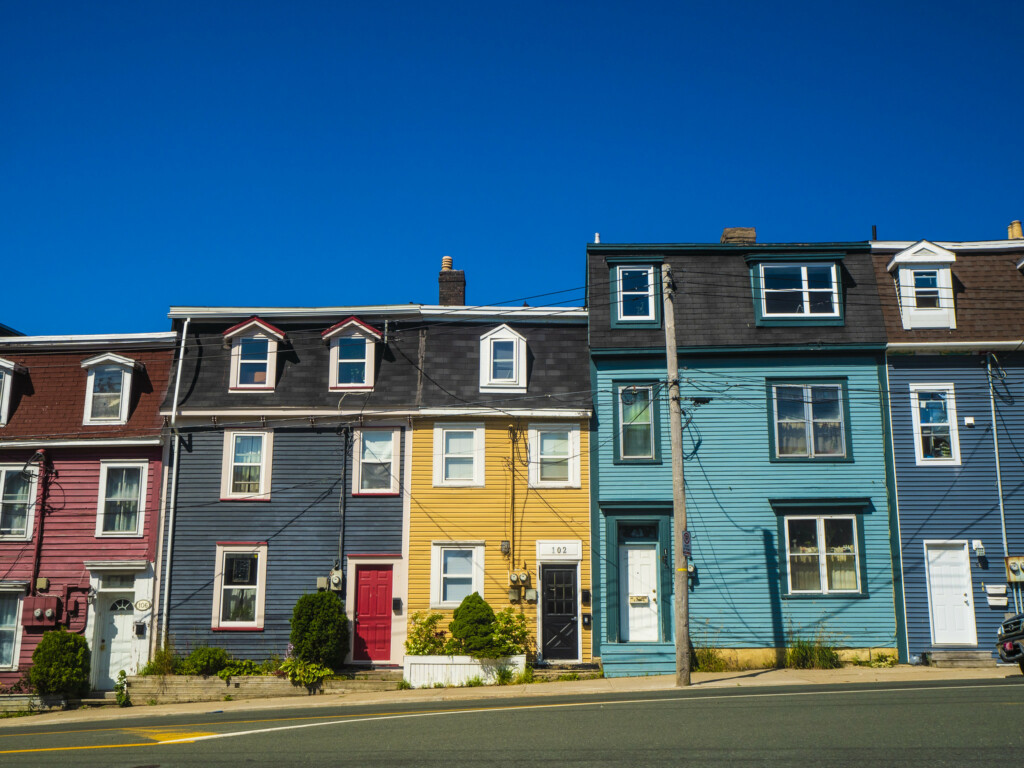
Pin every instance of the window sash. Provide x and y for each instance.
(107, 386)
(253, 361)
(636, 422)
(459, 463)
(8, 627)
(122, 499)
(636, 300)
(799, 290)
(809, 421)
(553, 447)
(351, 360)
(16, 498)
(822, 554)
(503, 360)
(456, 574)
(934, 422)
(376, 458)
(247, 464)
(239, 587)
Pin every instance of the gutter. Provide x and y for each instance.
(954, 346)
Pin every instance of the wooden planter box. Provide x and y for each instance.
(428, 671)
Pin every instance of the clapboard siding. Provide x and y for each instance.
(959, 503)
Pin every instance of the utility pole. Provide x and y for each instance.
(681, 601)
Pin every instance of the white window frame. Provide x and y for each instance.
(809, 420)
(805, 290)
(126, 366)
(233, 548)
(954, 436)
(105, 467)
(535, 431)
(227, 466)
(367, 360)
(437, 548)
(236, 364)
(822, 555)
(479, 455)
(487, 381)
(357, 464)
(7, 371)
(622, 423)
(33, 489)
(651, 314)
(924, 256)
(17, 589)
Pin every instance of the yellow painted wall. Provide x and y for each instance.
(485, 514)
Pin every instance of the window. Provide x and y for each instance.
(457, 570)
(122, 498)
(635, 292)
(924, 284)
(926, 288)
(936, 441)
(246, 465)
(353, 354)
(10, 626)
(821, 554)
(108, 389)
(554, 456)
(809, 421)
(636, 423)
(799, 290)
(502, 361)
(7, 371)
(240, 585)
(375, 469)
(17, 502)
(253, 355)
(459, 455)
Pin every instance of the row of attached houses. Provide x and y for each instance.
(852, 456)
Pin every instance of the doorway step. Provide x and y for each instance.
(960, 659)
(555, 671)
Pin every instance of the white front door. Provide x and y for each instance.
(638, 591)
(950, 599)
(115, 639)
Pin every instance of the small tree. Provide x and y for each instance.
(320, 629)
(472, 628)
(60, 664)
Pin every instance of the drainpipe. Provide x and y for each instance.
(173, 500)
(995, 444)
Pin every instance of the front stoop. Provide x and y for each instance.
(963, 658)
(554, 671)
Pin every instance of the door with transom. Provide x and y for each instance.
(115, 650)
(559, 613)
(638, 593)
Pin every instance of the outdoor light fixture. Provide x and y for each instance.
(979, 548)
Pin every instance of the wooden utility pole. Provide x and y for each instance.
(681, 602)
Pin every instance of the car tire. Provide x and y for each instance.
(1021, 662)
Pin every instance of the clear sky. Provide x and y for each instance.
(325, 153)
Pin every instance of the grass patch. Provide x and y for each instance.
(474, 682)
(812, 653)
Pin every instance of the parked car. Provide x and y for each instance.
(1011, 640)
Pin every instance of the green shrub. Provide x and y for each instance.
(474, 682)
(504, 675)
(472, 628)
(60, 664)
(205, 661)
(404, 685)
(320, 630)
(815, 653)
(525, 677)
(271, 665)
(307, 673)
(239, 668)
(707, 659)
(424, 637)
(121, 690)
(511, 637)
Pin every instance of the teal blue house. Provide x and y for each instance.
(782, 371)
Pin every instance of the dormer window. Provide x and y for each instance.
(353, 355)
(799, 290)
(7, 371)
(502, 361)
(253, 355)
(924, 285)
(108, 388)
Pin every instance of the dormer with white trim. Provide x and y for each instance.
(502, 361)
(108, 388)
(924, 285)
(253, 345)
(7, 371)
(353, 355)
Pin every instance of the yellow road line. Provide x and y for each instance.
(69, 749)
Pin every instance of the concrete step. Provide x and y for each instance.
(964, 658)
(566, 671)
(381, 674)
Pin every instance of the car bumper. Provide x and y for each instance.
(1011, 649)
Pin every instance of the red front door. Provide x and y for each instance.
(373, 613)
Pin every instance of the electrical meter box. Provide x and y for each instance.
(42, 611)
(1015, 569)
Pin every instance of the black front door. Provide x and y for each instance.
(560, 621)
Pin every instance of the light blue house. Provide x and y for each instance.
(781, 355)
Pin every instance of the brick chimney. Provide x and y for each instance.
(451, 285)
(739, 235)
(1014, 231)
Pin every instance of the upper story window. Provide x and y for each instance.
(924, 284)
(122, 498)
(554, 456)
(636, 412)
(353, 354)
(459, 455)
(502, 361)
(936, 439)
(246, 466)
(7, 371)
(809, 421)
(799, 290)
(108, 388)
(17, 501)
(635, 294)
(253, 355)
(376, 467)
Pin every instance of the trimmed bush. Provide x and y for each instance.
(60, 664)
(320, 629)
(472, 628)
(205, 661)
(424, 637)
(510, 633)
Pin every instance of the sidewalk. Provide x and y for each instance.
(640, 685)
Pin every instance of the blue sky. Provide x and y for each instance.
(324, 153)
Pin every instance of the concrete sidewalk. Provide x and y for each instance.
(639, 685)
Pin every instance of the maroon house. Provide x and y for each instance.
(81, 479)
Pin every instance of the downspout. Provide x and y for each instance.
(173, 500)
(995, 444)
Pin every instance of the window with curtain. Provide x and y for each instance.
(247, 464)
(8, 628)
(16, 497)
(122, 498)
(376, 461)
(822, 555)
(636, 423)
(809, 421)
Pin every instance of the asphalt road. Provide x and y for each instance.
(948, 724)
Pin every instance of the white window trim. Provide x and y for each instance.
(260, 549)
(368, 360)
(18, 590)
(943, 316)
(436, 561)
(805, 291)
(821, 555)
(127, 367)
(809, 421)
(236, 360)
(622, 424)
(140, 520)
(650, 293)
(574, 455)
(7, 371)
(479, 451)
(518, 381)
(357, 463)
(954, 433)
(33, 489)
(227, 464)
